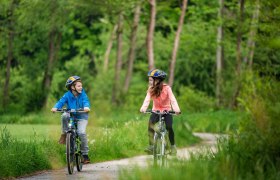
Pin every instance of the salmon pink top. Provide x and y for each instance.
(166, 101)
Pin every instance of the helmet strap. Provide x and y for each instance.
(75, 90)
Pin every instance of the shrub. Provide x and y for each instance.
(191, 100)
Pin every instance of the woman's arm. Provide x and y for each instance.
(173, 101)
(146, 102)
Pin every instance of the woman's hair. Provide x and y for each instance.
(156, 89)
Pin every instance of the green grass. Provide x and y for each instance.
(31, 118)
(31, 131)
(111, 137)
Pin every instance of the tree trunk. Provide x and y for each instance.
(251, 39)
(131, 54)
(150, 35)
(238, 55)
(118, 66)
(239, 39)
(219, 55)
(109, 47)
(10, 55)
(54, 45)
(176, 43)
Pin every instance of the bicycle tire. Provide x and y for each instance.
(159, 152)
(70, 152)
(168, 144)
(79, 163)
(78, 154)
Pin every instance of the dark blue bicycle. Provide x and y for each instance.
(73, 142)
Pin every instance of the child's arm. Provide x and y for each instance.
(146, 103)
(173, 101)
(86, 102)
(61, 102)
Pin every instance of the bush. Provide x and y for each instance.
(191, 100)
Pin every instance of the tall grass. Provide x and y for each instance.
(22, 157)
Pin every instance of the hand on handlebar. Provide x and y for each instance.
(53, 110)
(177, 112)
(86, 109)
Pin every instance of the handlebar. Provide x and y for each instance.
(160, 113)
(71, 110)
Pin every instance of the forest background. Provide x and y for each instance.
(219, 55)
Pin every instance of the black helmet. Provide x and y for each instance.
(71, 80)
(156, 73)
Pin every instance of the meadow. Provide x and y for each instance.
(32, 146)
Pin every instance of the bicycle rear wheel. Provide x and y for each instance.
(70, 152)
(159, 151)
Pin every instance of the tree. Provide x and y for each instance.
(238, 54)
(176, 43)
(131, 53)
(10, 30)
(219, 54)
(150, 34)
(248, 58)
(118, 65)
(109, 47)
(54, 45)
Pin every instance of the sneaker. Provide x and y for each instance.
(62, 139)
(86, 159)
(173, 150)
(149, 149)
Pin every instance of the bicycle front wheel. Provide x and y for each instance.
(78, 154)
(159, 151)
(70, 152)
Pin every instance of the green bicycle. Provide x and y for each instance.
(162, 146)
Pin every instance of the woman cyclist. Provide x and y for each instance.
(163, 100)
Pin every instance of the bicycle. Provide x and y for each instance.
(73, 142)
(162, 146)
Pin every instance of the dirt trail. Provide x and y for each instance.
(110, 169)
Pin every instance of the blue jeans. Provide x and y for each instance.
(82, 124)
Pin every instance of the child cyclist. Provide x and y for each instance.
(163, 100)
(75, 98)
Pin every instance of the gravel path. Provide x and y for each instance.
(110, 169)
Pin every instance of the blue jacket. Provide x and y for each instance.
(73, 102)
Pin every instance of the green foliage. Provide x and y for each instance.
(222, 121)
(194, 101)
